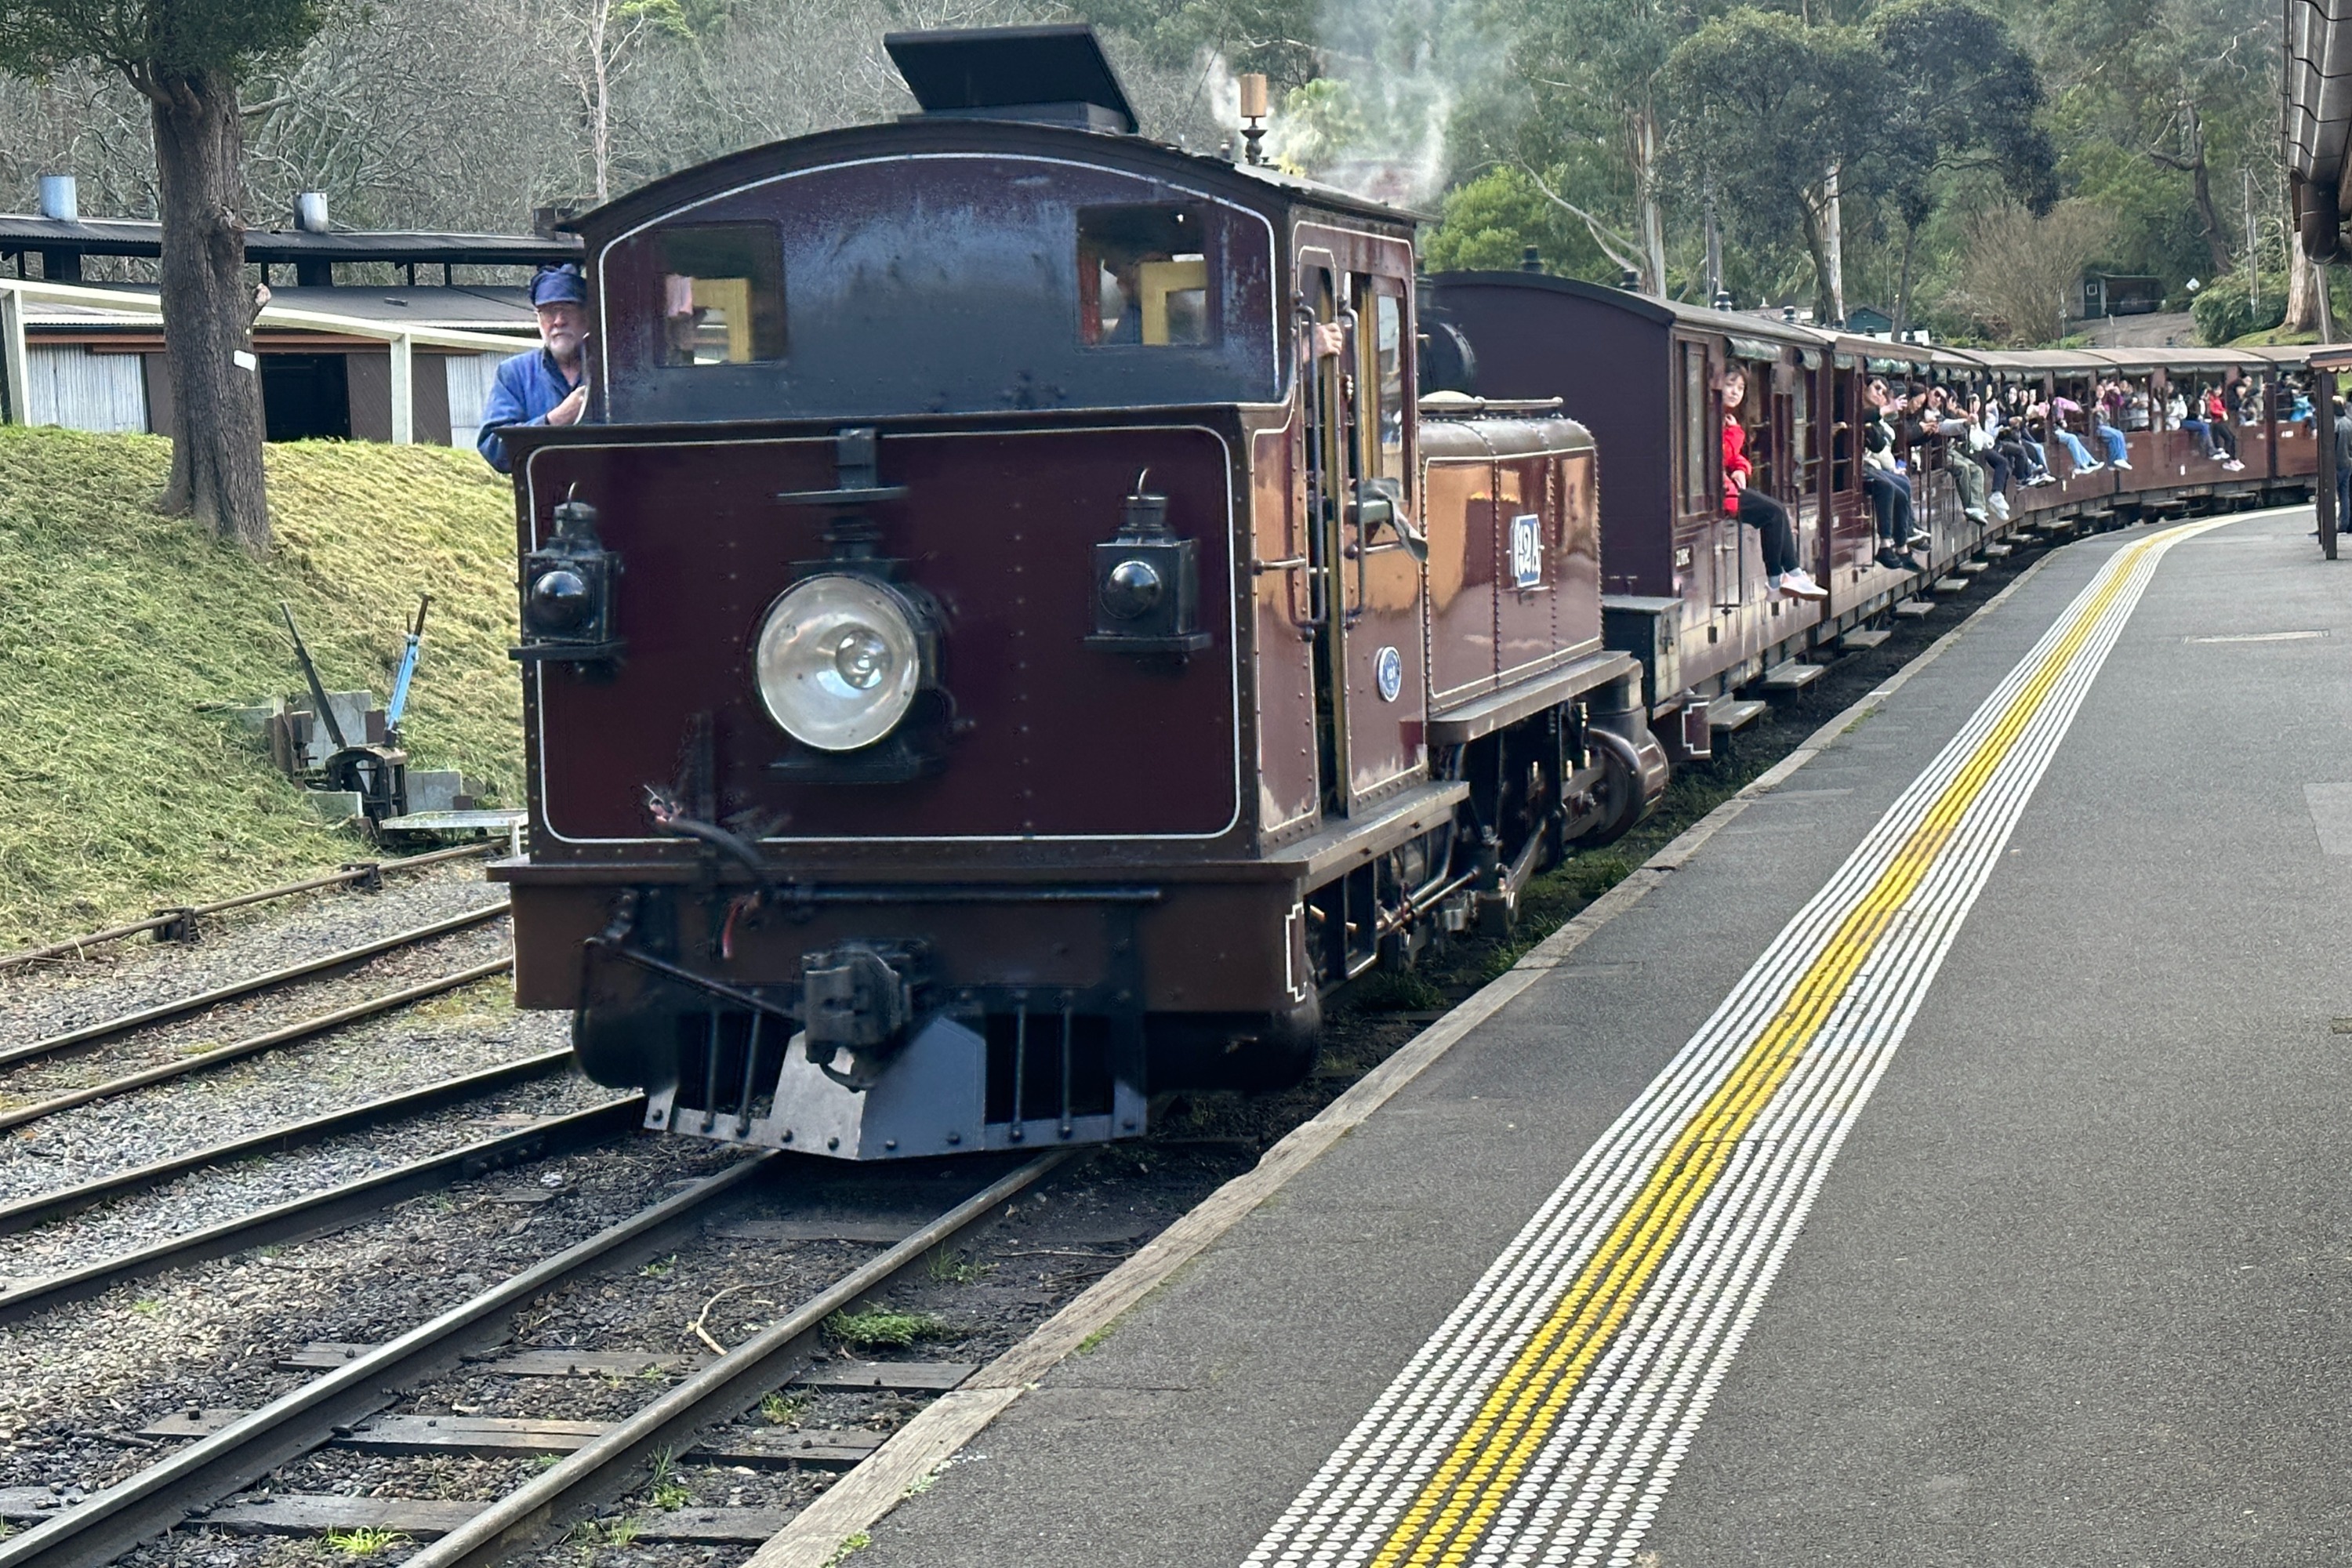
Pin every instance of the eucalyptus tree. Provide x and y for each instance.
(186, 58)
(1594, 70)
(1781, 122)
(1960, 95)
(2192, 85)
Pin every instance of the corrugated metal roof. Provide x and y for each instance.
(458, 308)
(142, 237)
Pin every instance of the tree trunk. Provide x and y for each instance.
(2201, 184)
(1714, 251)
(1833, 243)
(601, 66)
(216, 474)
(1902, 288)
(1652, 215)
(1816, 246)
(2303, 290)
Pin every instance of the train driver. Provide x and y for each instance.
(547, 385)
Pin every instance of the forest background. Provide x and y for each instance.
(1957, 164)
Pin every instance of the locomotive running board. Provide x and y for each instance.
(1458, 726)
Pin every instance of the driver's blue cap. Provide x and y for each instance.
(558, 283)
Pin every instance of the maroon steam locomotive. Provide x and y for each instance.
(1010, 639)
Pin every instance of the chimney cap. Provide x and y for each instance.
(60, 198)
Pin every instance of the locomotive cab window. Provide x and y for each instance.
(723, 293)
(1143, 277)
(1383, 350)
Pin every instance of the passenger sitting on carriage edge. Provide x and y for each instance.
(549, 385)
(1887, 486)
(1759, 512)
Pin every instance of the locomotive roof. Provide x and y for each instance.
(1267, 190)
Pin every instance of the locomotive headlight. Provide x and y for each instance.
(839, 661)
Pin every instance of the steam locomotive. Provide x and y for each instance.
(1033, 610)
(1010, 639)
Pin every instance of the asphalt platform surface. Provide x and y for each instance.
(2078, 1289)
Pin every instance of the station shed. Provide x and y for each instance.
(346, 308)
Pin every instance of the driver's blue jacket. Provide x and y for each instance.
(529, 385)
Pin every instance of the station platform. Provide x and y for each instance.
(1943, 1163)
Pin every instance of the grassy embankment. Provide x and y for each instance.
(118, 789)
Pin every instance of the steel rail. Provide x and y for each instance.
(718, 1393)
(324, 1210)
(108, 1523)
(286, 1035)
(163, 1012)
(358, 871)
(27, 1213)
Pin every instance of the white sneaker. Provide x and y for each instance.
(2044, 478)
(2121, 463)
(2233, 465)
(2088, 469)
(1974, 513)
(2000, 505)
(1920, 538)
(1797, 585)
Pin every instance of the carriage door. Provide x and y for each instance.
(1369, 650)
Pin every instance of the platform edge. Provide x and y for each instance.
(824, 1532)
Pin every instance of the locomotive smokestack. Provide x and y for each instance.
(1253, 102)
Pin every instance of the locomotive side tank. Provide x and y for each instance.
(980, 662)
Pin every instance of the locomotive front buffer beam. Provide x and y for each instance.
(896, 1021)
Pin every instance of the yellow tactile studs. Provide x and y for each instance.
(1544, 1421)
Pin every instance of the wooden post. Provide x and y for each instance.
(15, 373)
(404, 393)
(2324, 426)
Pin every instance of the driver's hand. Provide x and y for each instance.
(569, 411)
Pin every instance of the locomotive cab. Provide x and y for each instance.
(976, 656)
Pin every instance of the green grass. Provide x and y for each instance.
(118, 626)
(362, 1542)
(868, 1330)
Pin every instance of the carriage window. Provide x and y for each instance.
(723, 293)
(1696, 429)
(1143, 277)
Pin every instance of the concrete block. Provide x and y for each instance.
(434, 789)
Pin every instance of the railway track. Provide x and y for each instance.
(184, 919)
(231, 1450)
(278, 979)
(304, 1216)
(25, 1213)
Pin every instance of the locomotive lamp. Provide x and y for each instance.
(1148, 584)
(567, 594)
(841, 658)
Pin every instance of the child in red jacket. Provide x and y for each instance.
(1759, 512)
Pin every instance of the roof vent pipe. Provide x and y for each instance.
(60, 198)
(310, 212)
